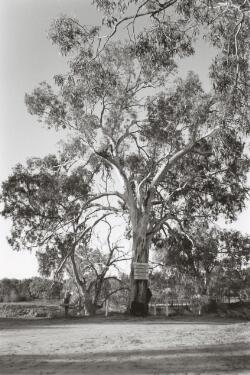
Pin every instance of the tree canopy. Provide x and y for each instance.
(199, 249)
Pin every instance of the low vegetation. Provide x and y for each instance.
(36, 288)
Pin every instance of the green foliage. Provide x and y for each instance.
(13, 290)
(41, 288)
(199, 247)
(186, 103)
(44, 99)
(40, 197)
(229, 282)
(216, 259)
(69, 34)
(170, 284)
(171, 29)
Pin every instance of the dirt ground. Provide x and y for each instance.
(133, 346)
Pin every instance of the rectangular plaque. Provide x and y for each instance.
(140, 271)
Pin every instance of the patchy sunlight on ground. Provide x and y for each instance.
(133, 346)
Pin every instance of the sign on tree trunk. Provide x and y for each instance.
(141, 271)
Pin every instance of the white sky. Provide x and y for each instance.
(27, 58)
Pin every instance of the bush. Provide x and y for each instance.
(211, 307)
(45, 289)
(13, 290)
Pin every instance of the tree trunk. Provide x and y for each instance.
(139, 294)
(207, 284)
(90, 308)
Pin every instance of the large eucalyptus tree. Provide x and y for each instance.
(171, 152)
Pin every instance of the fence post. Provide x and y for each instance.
(155, 309)
(166, 312)
(106, 308)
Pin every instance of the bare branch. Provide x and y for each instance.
(71, 251)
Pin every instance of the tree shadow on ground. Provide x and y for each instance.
(12, 323)
(226, 358)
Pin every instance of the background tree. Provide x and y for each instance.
(41, 288)
(13, 290)
(178, 150)
(9, 290)
(94, 270)
(199, 251)
(46, 202)
(231, 277)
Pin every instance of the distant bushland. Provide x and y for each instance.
(14, 290)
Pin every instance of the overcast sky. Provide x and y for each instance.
(27, 57)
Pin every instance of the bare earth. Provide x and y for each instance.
(98, 346)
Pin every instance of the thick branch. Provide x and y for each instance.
(80, 282)
(173, 160)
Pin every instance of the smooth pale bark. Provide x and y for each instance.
(140, 206)
(90, 306)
